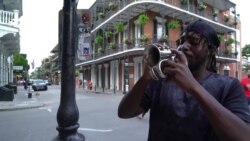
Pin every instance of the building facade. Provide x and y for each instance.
(114, 35)
(10, 12)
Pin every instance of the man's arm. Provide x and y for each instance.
(130, 104)
(227, 125)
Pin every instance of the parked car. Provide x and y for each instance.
(39, 84)
(47, 82)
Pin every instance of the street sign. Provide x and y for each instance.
(17, 67)
(129, 64)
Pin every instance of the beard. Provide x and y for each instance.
(194, 63)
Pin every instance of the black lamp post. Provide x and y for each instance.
(68, 114)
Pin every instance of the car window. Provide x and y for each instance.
(38, 81)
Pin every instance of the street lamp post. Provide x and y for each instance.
(68, 114)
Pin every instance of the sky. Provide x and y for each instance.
(39, 26)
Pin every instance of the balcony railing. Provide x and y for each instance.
(9, 18)
(196, 9)
(137, 44)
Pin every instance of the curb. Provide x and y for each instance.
(21, 106)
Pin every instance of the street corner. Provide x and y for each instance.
(11, 106)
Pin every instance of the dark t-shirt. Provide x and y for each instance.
(176, 115)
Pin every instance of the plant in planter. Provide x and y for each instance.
(119, 26)
(201, 6)
(112, 45)
(144, 38)
(173, 24)
(164, 39)
(235, 23)
(100, 15)
(109, 34)
(77, 73)
(220, 37)
(98, 39)
(229, 41)
(215, 14)
(128, 41)
(226, 18)
(143, 19)
(100, 50)
(112, 6)
(184, 2)
(228, 52)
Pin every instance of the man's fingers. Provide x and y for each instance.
(180, 57)
(168, 63)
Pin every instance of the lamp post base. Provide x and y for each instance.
(71, 137)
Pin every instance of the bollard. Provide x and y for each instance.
(29, 92)
(29, 95)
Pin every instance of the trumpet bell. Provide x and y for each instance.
(153, 55)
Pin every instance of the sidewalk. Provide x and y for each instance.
(99, 91)
(21, 101)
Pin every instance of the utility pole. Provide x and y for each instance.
(68, 114)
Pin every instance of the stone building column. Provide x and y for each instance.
(138, 70)
(106, 66)
(99, 76)
(1, 69)
(93, 75)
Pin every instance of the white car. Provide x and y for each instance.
(39, 84)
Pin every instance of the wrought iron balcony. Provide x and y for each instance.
(127, 9)
(136, 47)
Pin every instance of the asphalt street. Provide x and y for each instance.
(97, 118)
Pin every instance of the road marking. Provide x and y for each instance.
(49, 110)
(46, 108)
(95, 130)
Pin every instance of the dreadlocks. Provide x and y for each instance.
(211, 64)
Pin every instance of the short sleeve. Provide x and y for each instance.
(236, 102)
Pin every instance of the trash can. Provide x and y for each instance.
(13, 87)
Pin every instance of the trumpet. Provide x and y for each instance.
(155, 54)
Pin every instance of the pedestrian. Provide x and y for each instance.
(25, 84)
(245, 81)
(193, 103)
(90, 85)
(80, 83)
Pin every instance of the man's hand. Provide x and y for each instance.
(179, 72)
